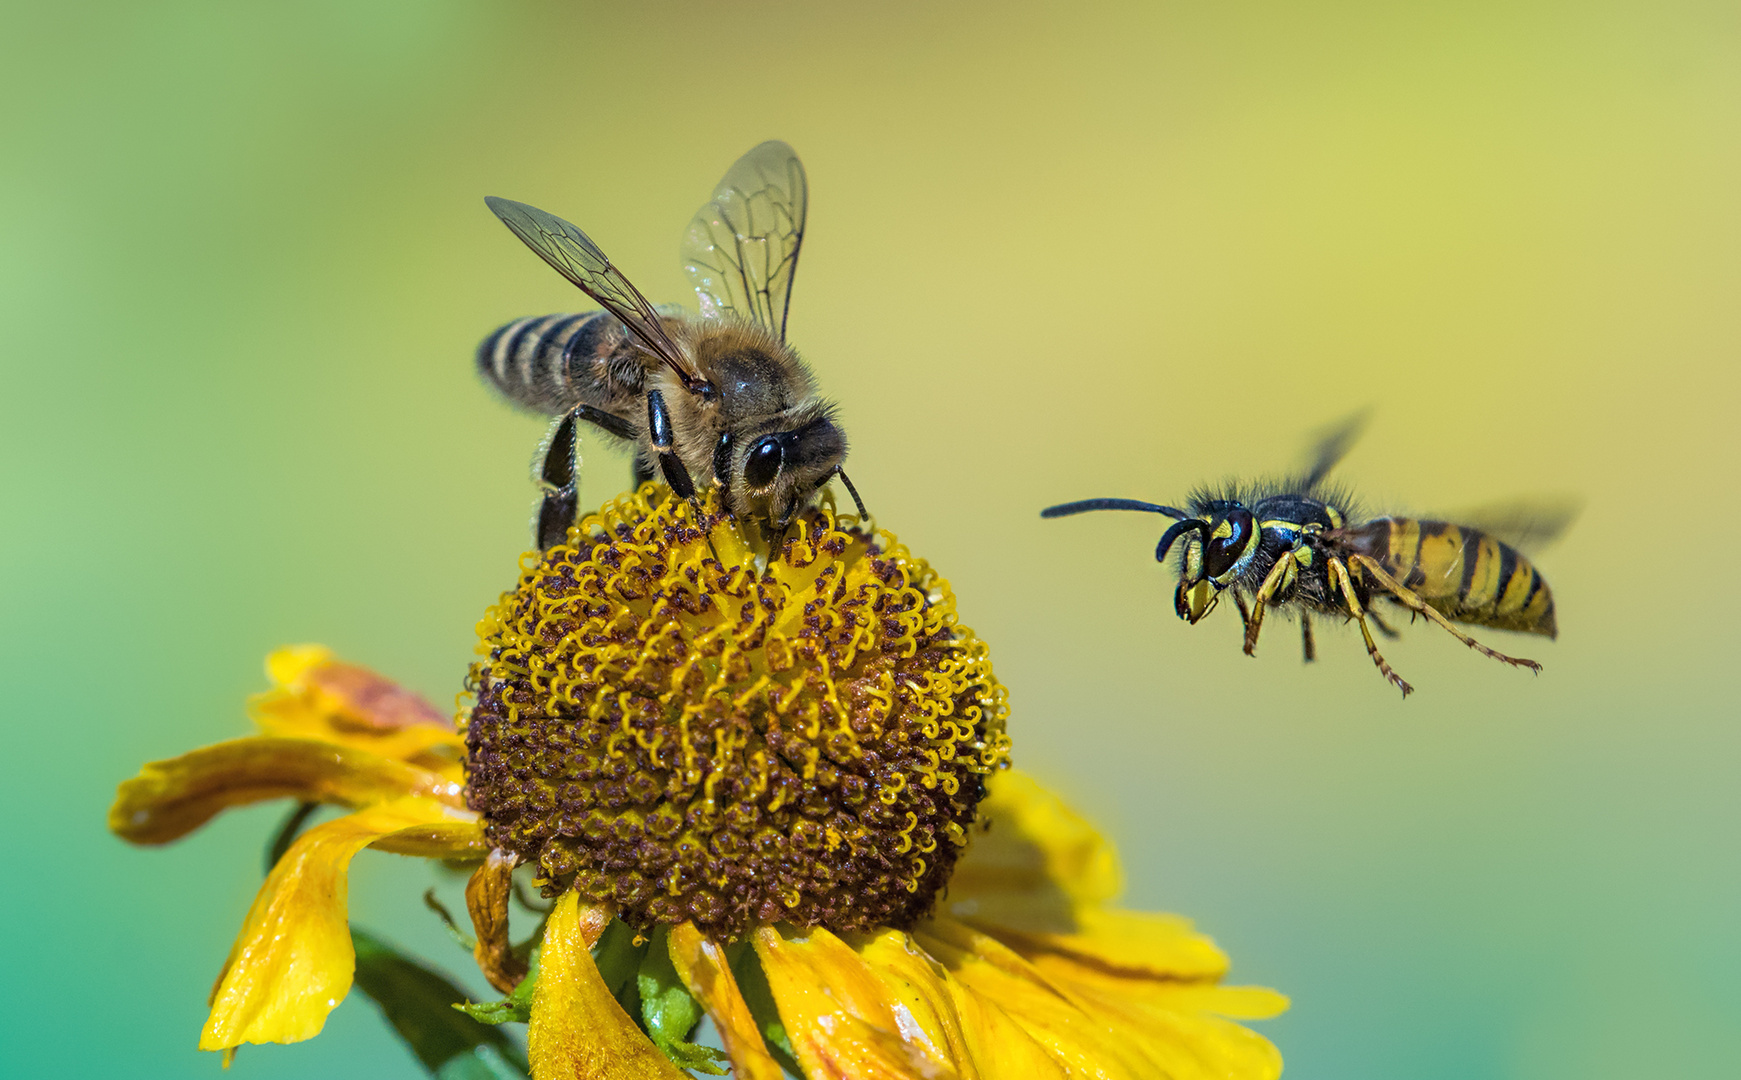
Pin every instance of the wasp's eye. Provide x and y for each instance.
(764, 462)
(1227, 544)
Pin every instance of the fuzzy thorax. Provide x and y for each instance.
(799, 737)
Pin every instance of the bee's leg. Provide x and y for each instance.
(660, 435)
(559, 476)
(640, 471)
(1407, 598)
(1340, 581)
(1306, 644)
(1277, 578)
(1383, 627)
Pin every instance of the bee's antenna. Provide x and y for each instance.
(863, 514)
(1067, 509)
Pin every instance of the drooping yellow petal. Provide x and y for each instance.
(1176, 1024)
(460, 841)
(1081, 1042)
(914, 986)
(169, 799)
(578, 1031)
(292, 962)
(996, 1040)
(1135, 942)
(1036, 862)
(702, 966)
(839, 1023)
(320, 697)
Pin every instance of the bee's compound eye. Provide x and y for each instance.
(1227, 543)
(764, 462)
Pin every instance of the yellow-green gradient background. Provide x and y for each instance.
(1056, 251)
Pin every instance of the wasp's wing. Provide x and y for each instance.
(1525, 524)
(1333, 445)
(741, 248)
(573, 254)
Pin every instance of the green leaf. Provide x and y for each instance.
(668, 1013)
(418, 1003)
(516, 1007)
(619, 959)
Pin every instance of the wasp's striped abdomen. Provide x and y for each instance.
(1464, 573)
(551, 363)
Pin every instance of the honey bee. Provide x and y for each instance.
(722, 397)
(1292, 545)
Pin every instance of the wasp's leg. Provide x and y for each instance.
(1244, 612)
(1407, 598)
(559, 476)
(1343, 584)
(1306, 644)
(1278, 578)
(1383, 627)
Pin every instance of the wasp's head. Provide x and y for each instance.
(773, 474)
(1219, 545)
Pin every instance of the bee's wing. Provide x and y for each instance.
(573, 255)
(1525, 524)
(1333, 445)
(741, 248)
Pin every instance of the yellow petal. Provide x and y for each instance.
(702, 966)
(460, 841)
(1133, 942)
(916, 988)
(1081, 1042)
(169, 799)
(578, 1031)
(319, 697)
(836, 1014)
(1036, 862)
(995, 1039)
(292, 963)
(1173, 1023)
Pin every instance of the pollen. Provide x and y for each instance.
(671, 721)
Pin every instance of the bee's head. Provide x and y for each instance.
(1218, 547)
(773, 474)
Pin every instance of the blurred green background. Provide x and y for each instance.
(1055, 251)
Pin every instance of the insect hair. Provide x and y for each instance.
(1249, 492)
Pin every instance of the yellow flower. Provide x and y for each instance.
(780, 777)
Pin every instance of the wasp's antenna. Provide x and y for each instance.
(863, 514)
(1176, 530)
(1066, 509)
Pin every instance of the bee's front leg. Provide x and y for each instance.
(559, 476)
(659, 433)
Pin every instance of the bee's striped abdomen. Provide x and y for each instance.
(1464, 573)
(549, 363)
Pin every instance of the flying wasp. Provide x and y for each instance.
(1294, 544)
(722, 397)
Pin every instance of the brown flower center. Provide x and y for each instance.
(799, 739)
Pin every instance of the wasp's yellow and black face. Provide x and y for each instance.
(1218, 550)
